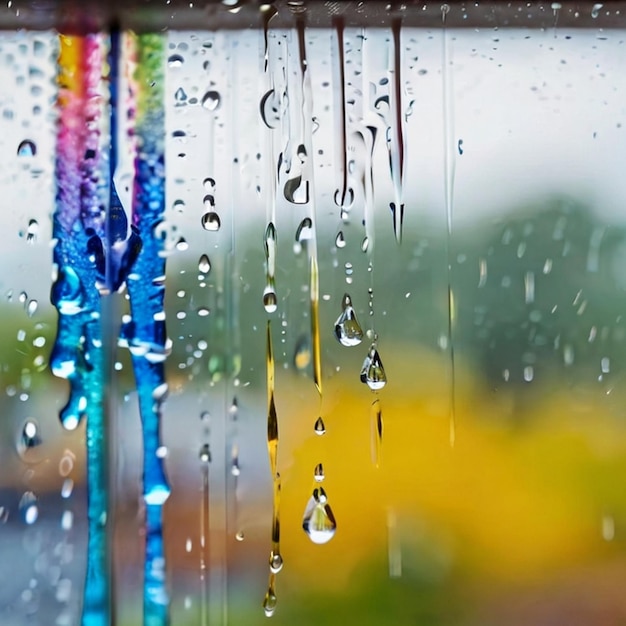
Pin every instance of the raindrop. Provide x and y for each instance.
(344, 199)
(595, 10)
(296, 191)
(320, 428)
(270, 109)
(318, 474)
(31, 308)
(270, 301)
(365, 244)
(32, 231)
(211, 221)
(29, 507)
(182, 245)
(372, 372)
(175, 60)
(318, 521)
(240, 536)
(276, 562)
(340, 241)
(304, 231)
(180, 96)
(211, 100)
(269, 602)
(29, 442)
(204, 264)
(205, 453)
(208, 184)
(302, 354)
(348, 331)
(27, 148)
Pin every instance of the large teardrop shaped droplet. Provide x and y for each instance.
(347, 328)
(373, 372)
(318, 521)
(320, 428)
(270, 601)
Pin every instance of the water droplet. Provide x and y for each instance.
(318, 521)
(347, 328)
(302, 354)
(304, 231)
(204, 264)
(182, 245)
(318, 474)
(270, 301)
(276, 562)
(175, 60)
(340, 241)
(29, 442)
(29, 507)
(27, 148)
(595, 10)
(320, 428)
(270, 109)
(211, 100)
(32, 231)
(180, 96)
(296, 190)
(31, 308)
(211, 221)
(269, 602)
(372, 372)
(365, 244)
(205, 453)
(240, 536)
(208, 184)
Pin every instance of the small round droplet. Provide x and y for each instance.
(320, 428)
(239, 536)
(29, 507)
(276, 562)
(205, 453)
(211, 221)
(29, 442)
(27, 148)
(204, 264)
(211, 100)
(175, 60)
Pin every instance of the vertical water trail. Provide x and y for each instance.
(306, 100)
(396, 145)
(341, 195)
(77, 353)
(205, 459)
(275, 559)
(145, 332)
(448, 169)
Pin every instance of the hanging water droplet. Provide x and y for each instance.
(372, 372)
(318, 521)
(29, 507)
(269, 602)
(320, 428)
(27, 148)
(211, 100)
(205, 453)
(318, 473)
(347, 328)
(211, 221)
(175, 60)
(276, 562)
(340, 241)
(204, 264)
(270, 301)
